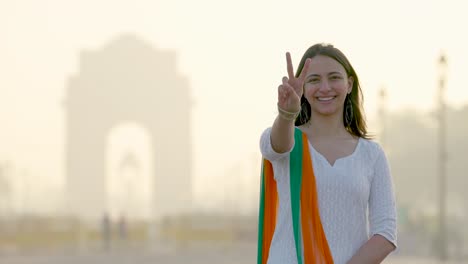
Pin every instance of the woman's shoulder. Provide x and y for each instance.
(370, 143)
(371, 148)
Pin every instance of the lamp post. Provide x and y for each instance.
(442, 66)
(383, 115)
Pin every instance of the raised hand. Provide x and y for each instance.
(290, 91)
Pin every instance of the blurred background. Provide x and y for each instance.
(129, 130)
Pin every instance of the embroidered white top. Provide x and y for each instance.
(356, 200)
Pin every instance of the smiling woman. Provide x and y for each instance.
(320, 166)
(331, 75)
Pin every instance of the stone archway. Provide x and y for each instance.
(127, 80)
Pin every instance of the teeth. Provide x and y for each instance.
(325, 98)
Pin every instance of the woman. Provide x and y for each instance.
(327, 193)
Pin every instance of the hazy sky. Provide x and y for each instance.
(233, 54)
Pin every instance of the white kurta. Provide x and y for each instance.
(356, 200)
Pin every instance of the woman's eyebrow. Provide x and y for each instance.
(318, 75)
(330, 73)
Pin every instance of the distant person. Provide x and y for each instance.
(123, 228)
(327, 193)
(106, 232)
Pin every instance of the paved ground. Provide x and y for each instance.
(217, 254)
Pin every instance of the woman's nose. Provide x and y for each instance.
(324, 85)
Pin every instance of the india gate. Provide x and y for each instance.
(127, 80)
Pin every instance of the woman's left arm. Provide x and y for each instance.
(375, 250)
(382, 215)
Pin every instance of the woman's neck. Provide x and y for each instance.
(320, 126)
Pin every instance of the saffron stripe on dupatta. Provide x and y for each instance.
(267, 214)
(316, 249)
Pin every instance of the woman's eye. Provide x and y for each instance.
(313, 80)
(335, 77)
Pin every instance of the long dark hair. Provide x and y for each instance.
(357, 125)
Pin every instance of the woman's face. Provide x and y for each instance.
(326, 86)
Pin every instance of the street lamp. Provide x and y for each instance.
(442, 66)
(383, 115)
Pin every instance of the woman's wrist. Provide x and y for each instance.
(287, 115)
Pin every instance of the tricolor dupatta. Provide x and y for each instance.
(304, 204)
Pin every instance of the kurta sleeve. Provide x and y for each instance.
(267, 150)
(382, 204)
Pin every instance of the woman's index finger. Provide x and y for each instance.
(305, 69)
(290, 66)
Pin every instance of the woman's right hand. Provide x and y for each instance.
(290, 92)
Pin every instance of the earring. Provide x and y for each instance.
(348, 114)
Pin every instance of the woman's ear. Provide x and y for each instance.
(350, 83)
